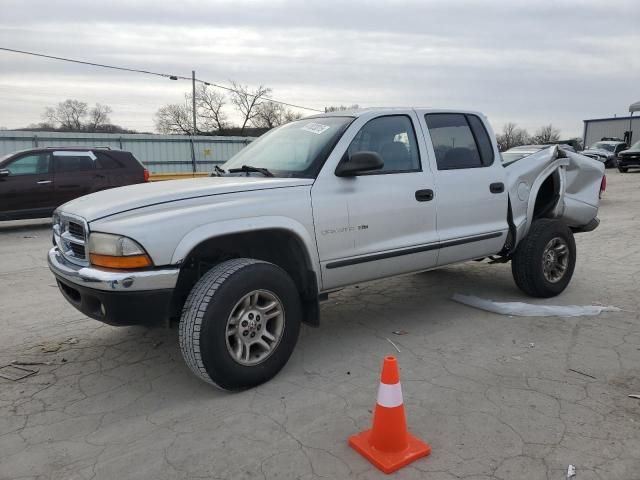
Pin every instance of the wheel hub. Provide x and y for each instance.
(555, 259)
(550, 258)
(255, 327)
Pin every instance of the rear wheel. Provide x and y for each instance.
(543, 263)
(623, 169)
(240, 323)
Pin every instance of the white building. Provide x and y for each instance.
(624, 128)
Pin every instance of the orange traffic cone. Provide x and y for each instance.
(388, 445)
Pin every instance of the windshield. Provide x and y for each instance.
(297, 149)
(635, 146)
(602, 146)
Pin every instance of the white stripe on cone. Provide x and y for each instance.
(389, 396)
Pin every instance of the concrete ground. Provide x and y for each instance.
(495, 396)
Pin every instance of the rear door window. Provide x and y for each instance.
(453, 141)
(106, 161)
(73, 162)
(482, 139)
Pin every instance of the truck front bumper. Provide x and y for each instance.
(629, 161)
(116, 297)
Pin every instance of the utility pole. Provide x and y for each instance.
(194, 165)
(193, 98)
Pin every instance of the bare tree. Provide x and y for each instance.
(268, 115)
(68, 115)
(99, 117)
(546, 134)
(271, 115)
(178, 118)
(209, 104)
(175, 118)
(341, 108)
(291, 116)
(247, 101)
(512, 136)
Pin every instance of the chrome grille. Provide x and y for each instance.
(78, 250)
(76, 230)
(70, 234)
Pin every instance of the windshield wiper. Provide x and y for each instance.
(250, 169)
(218, 171)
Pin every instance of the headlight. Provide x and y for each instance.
(55, 221)
(116, 251)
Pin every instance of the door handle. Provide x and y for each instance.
(497, 187)
(99, 175)
(44, 182)
(424, 195)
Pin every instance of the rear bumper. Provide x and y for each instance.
(115, 297)
(589, 227)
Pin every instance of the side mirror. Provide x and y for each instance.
(359, 162)
(4, 173)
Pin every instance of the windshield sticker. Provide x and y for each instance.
(316, 128)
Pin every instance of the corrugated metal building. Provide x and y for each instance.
(598, 128)
(159, 153)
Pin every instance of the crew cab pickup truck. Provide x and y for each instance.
(244, 256)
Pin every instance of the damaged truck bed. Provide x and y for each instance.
(554, 183)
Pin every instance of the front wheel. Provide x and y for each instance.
(543, 263)
(623, 169)
(240, 323)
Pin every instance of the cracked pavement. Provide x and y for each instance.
(497, 397)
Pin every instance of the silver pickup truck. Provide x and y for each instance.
(241, 258)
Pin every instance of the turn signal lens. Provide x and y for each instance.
(115, 251)
(131, 261)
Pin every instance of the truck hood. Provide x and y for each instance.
(117, 200)
(630, 151)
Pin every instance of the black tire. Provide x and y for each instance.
(623, 169)
(527, 262)
(203, 325)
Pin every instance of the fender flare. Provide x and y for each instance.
(557, 165)
(248, 224)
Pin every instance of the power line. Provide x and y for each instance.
(158, 74)
(52, 57)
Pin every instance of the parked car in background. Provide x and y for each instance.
(33, 183)
(629, 158)
(606, 151)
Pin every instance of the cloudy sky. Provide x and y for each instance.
(531, 62)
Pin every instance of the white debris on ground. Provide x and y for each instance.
(522, 309)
